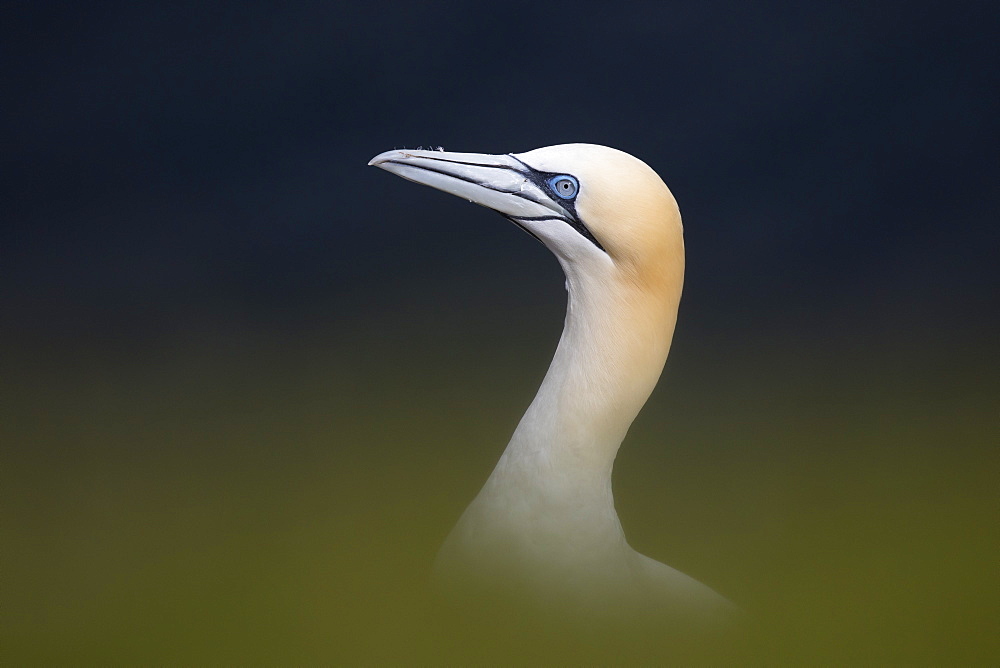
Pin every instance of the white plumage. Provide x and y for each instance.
(545, 524)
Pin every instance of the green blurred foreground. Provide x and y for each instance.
(225, 497)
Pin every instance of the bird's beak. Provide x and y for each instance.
(501, 182)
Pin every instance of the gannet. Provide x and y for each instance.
(545, 523)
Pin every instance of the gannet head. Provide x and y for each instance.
(589, 204)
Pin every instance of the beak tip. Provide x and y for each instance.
(385, 157)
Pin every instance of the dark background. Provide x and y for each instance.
(248, 383)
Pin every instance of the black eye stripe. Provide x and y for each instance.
(538, 178)
(542, 179)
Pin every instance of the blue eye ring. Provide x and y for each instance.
(564, 186)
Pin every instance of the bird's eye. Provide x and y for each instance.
(565, 186)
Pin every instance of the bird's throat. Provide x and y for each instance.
(613, 346)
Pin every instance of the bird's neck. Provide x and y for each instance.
(613, 346)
